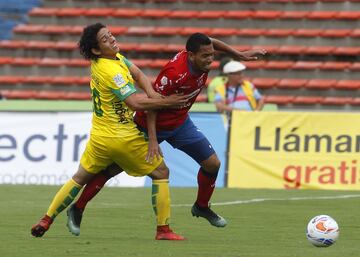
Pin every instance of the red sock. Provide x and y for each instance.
(206, 188)
(91, 189)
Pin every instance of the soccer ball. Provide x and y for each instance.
(322, 231)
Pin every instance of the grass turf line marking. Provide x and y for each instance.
(257, 200)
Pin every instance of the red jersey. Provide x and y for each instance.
(176, 76)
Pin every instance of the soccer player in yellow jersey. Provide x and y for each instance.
(114, 137)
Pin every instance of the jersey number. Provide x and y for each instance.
(96, 103)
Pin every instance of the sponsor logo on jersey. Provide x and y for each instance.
(125, 89)
(164, 81)
(119, 80)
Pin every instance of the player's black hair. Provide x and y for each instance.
(195, 41)
(88, 41)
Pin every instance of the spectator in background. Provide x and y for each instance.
(240, 94)
(217, 84)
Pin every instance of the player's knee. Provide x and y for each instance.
(161, 172)
(212, 164)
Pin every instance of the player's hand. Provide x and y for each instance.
(154, 151)
(177, 100)
(252, 55)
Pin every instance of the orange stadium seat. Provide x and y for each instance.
(53, 62)
(6, 60)
(64, 45)
(222, 32)
(243, 14)
(56, 29)
(155, 13)
(158, 63)
(78, 62)
(76, 29)
(297, 50)
(321, 15)
(335, 33)
(306, 65)
(139, 31)
(266, 14)
(210, 14)
(279, 32)
(128, 47)
(83, 81)
(28, 29)
(13, 44)
(294, 14)
(307, 32)
(77, 96)
(98, 12)
(319, 50)
(348, 84)
(64, 80)
(256, 64)
(344, 50)
(355, 101)
(117, 30)
(348, 15)
(292, 83)
(320, 83)
(174, 48)
(355, 66)
(126, 13)
(279, 99)
(11, 80)
(19, 94)
(50, 95)
(166, 31)
(336, 100)
(21, 61)
(279, 65)
(251, 32)
(178, 14)
(335, 65)
(355, 33)
(307, 100)
(265, 82)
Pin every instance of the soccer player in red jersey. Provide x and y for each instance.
(186, 73)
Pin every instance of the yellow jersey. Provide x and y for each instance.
(111, 83)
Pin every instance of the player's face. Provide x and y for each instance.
(107, 43)
(203, 58)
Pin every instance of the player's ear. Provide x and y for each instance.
(96, 51)
(191, 56)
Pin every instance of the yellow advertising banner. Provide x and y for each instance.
(294, 150)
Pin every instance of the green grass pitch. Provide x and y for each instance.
(120, 222)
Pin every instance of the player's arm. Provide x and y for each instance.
(154, 149)
(249, 55)
(142, 80)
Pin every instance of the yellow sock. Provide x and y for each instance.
(161, 201)
(63, 198)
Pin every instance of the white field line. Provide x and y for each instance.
(250, 201)
(257, 200)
